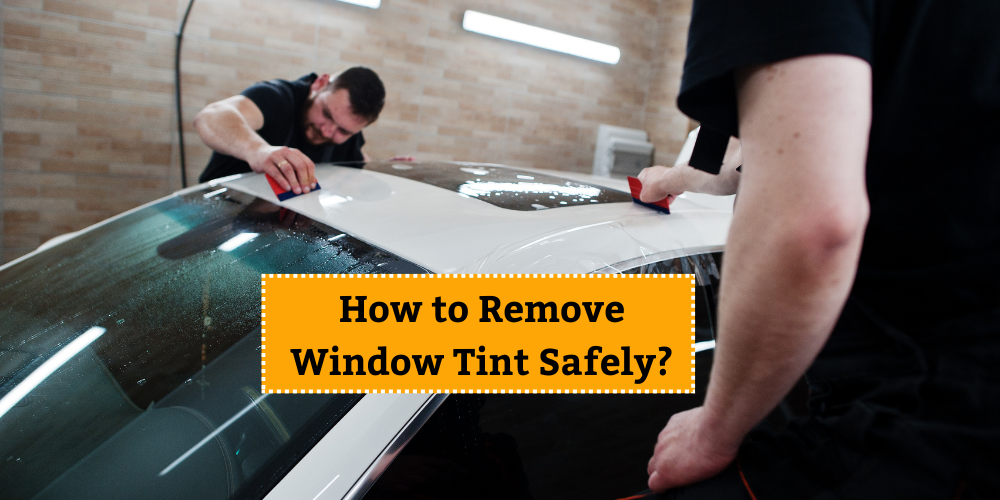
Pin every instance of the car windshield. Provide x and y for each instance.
(505, 187)
(129, 355)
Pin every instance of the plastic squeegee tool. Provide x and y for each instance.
(281, 193)
(635, 185)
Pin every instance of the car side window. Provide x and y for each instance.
(552, 446)
(706, 267)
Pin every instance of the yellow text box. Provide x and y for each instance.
(498, 333)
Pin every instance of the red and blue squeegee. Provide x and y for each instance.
(281, 193)
(635, 185)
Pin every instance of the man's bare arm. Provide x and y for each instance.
(230, 127)
(669, 182)
(791, 255)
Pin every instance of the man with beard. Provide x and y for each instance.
(283, 128)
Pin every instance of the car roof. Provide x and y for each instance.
(447, 231)
(450, 232)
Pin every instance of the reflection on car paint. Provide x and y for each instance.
(502, 186)
(176, 285)
(483, 188)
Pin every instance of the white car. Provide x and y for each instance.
(129, 351)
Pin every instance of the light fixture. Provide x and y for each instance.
(371, 4)
(48, 368)
(539, 37)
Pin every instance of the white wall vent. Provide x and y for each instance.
(621, 151)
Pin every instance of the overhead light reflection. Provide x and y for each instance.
(329, 199)
(213, 193)
(236, 241)
(704, 346)
(539, 37)
(48, 368)
(209, 437)
(327, 486)
(474, 171)
(371, 4)
(485, 188)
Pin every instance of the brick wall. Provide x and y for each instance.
(86, 89)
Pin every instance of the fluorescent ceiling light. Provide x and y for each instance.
(539, 37)
(48, 368)
(371, 4)
(236, 241)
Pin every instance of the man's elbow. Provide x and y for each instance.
(833, 229)
(201, 119)
(211, 117)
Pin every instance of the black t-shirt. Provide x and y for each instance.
(283, 105)
(905, 397)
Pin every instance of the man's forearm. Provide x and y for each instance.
(660, 182)
(725, 182)
(728, 179)
(225, 130)
(780, 298)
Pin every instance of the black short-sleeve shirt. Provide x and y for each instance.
(283, 103)
(905, 397)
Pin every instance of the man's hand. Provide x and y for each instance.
(289, 167)
(686, 452)
(661, 182)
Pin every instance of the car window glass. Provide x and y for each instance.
(164, 402)
(706, 269)
(505, 187)
(552, 446)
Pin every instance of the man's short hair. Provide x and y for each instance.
(365, 89)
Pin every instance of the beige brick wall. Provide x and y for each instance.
(86, 89)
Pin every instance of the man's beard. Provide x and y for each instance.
(308, 129)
